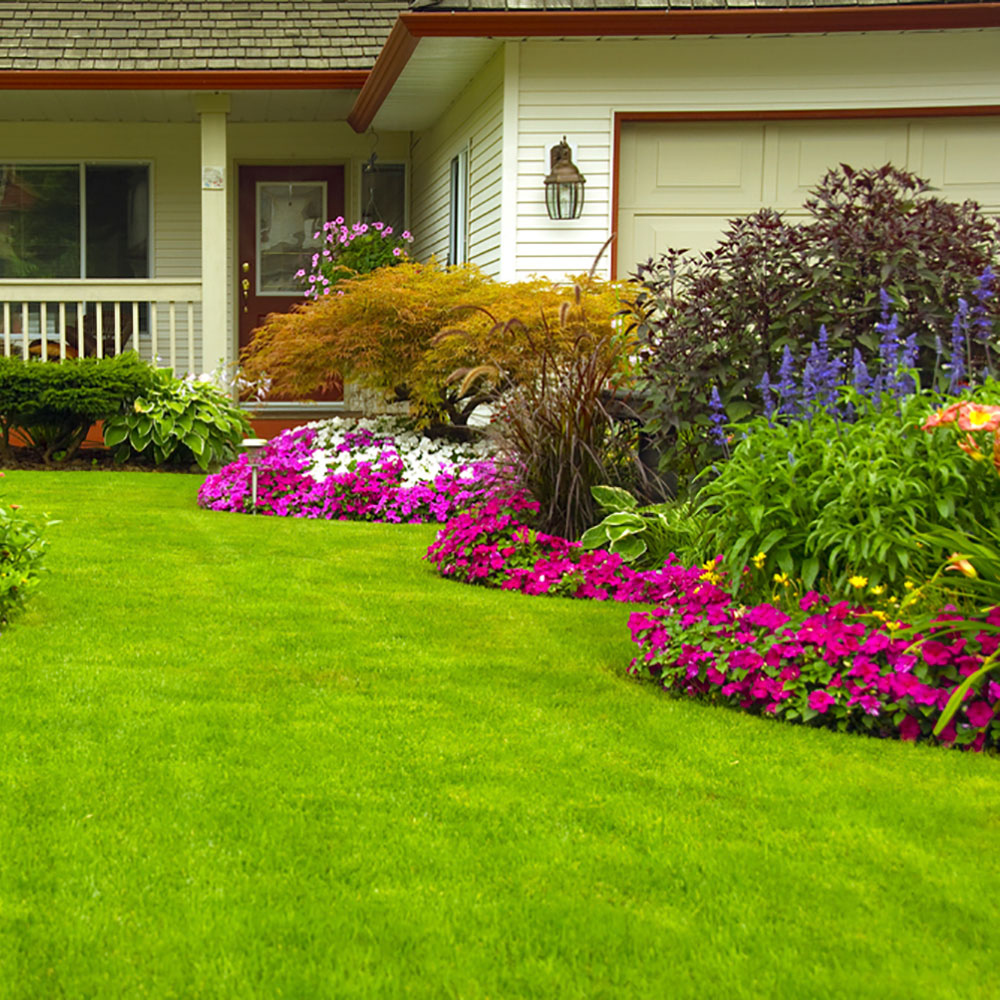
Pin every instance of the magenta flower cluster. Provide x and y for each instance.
(370, 491)
(827, 664)
(491, 545)
(376, 246)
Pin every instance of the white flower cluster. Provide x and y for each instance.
(423, 458)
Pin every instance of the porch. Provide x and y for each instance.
(171, 222)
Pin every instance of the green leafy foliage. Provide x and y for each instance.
(824, 500)
(53, 404)
(644, 536)
(22, 548)
(722, 318)
(178, 420)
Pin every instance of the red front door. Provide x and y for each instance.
(280, 209)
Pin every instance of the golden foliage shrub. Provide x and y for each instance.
(416, 330)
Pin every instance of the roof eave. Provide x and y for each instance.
(334, 79)
(411, 27)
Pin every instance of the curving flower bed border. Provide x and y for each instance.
(831, 665)
(358, 475)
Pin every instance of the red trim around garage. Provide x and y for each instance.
(411, 27)
(964, 111)
(183, 79)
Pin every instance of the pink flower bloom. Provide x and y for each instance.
(821, 701)
(979, 714)
(909, 728)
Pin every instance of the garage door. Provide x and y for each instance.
(679, 183)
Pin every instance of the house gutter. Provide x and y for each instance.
(183, 79)
(411, 27)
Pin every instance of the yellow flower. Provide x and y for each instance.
(877, 590)
(880, 615)
(781, 578)
(909, 585)
(858, 581)
(759, 560)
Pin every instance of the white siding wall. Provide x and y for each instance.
(574, 87)
(474, 121)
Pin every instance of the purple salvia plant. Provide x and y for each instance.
(766, 395)
(785, 386)
(718, 418)
(861, 380)
(959, 340)
(981, 324)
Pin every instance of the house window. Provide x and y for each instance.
(458, 214)
(74, 221)
(383, 194)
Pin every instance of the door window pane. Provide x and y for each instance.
(288, 216)
(117, 221)
(40, 221)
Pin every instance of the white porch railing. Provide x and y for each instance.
(56, 318)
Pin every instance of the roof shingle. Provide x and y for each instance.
(194, 34)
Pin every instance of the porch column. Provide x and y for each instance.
(215, 340)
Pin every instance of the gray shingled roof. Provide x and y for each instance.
(452, 5)
(193, 34)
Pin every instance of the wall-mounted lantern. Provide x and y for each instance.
(564, 185)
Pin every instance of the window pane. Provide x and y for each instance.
(383, 194)
(39, 221)
(117, 221)
(288, 216)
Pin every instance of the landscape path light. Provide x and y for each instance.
(253, 446)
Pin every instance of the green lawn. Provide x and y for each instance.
(250, 757)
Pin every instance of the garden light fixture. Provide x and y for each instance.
(564, 185)
(252, 447)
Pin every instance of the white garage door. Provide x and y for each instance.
(679, 183)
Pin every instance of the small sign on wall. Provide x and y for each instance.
(213, 178)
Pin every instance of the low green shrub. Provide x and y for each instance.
(22, 547)
(178, 420)
(822, 500)
(53, 404)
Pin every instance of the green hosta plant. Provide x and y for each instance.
(182, 420)
(642, 536)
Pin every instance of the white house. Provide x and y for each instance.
(163, 164)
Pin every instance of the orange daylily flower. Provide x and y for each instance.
(976, 417)
(946, 416)
(971, 448)
(958, 562)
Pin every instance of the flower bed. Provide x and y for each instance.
(828, 664)
(369, 470)
(490, 545)
(832, 665)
